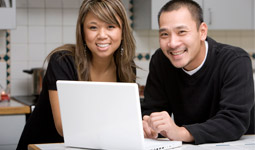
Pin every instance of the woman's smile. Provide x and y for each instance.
(103, 47)
(101, 38)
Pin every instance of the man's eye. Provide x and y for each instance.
(182, 32)
(163, 34)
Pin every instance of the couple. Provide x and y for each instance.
(207, 86)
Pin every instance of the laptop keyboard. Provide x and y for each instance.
(151, 144)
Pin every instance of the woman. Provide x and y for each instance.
(104, 51)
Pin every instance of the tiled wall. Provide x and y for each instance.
(42, 25)
(4, 60)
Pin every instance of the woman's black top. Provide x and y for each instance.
(40, 127)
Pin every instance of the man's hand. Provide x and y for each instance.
(148, 131)
(161, 122)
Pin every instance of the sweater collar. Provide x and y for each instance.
(191, 72)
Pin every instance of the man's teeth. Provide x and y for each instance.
(177, 53)
(102, 45)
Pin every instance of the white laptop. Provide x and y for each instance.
(104, 115)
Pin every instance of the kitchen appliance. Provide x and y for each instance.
(37, 74)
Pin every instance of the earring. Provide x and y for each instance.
(85, 50)
(121, 50)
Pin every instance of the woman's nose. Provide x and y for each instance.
(102, 34)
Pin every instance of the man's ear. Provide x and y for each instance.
(203, 29)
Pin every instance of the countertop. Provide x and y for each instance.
(245, 142)
(29, 100)
(13, 107)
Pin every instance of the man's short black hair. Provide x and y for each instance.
(193, 7)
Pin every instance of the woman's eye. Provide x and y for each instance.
(111, 26)
(92, 27)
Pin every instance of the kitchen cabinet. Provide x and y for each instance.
(254, 14)
(8, 15)
(218, 14)
(10, 131)
(228, 14)
(145, 13)
(12, 119)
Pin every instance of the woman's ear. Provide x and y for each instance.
(203, 29)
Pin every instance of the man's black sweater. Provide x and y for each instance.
(214, 103)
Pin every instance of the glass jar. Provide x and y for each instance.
(5, 94)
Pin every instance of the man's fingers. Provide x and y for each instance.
(154, 134)
(146, 118)
(148, 131)
(163, 114)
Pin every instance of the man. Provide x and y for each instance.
(207, 86)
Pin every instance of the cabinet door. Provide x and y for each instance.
(228, 14)
(254, 14)
(11, 129)
(156, 6)
(8, 15)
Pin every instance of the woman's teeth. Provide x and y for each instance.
(102, 45)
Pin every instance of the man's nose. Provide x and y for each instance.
(173, 42)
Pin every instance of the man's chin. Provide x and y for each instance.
(177, 65)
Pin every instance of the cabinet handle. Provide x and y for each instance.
(210, 16)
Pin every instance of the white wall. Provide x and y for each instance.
(42, 25)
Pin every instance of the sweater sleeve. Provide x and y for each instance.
(235, 103)
(155, 96)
